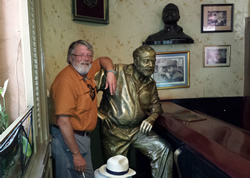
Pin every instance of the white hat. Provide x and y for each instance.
(117, 167)
(98, 174)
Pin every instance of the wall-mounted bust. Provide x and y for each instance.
(170, 17)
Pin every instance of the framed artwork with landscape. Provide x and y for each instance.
(217, 55)
(217, 18)
(95, 11)
(172, 70)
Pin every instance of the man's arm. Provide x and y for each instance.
(107, 64)
(69, 138)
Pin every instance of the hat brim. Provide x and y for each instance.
(102, 169)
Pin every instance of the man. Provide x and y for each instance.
(129, 115)
(170, 17)
(172, 73)
(74, 109)
(160, 75)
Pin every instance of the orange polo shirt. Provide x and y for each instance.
(71, 95)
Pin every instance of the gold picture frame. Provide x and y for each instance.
(172, 70)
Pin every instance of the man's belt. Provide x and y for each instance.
(81, 133)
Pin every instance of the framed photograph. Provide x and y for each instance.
(95, 11)
(172, 70)
(216, 18)
(217, 56)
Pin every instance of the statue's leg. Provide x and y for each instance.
(159, 152)
(114, 142)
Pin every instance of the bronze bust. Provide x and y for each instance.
(171, 31)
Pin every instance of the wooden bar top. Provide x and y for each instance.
(224, 145)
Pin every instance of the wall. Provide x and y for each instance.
(11, 65)
(130, 24)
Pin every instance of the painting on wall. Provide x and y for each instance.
(216, 18)
(94, 11)
(217, 56)
(172, 70)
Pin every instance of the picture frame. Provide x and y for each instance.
(217, 18)
(94, 11)
(217, 55)
(172, 70)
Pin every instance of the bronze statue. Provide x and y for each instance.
(170, 17)
(129, 115)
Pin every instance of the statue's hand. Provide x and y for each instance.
(147, 125)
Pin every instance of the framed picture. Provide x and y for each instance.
(95, 11)
(216, 18)
(172, 70)
(217, 56)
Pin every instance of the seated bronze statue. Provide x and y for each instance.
(129, 115)
(170, 17)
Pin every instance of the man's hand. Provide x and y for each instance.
(111, 82)
(79, 162)
(69, 138)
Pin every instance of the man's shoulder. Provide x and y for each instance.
(65, 70)
(94, 68)
(66, 74)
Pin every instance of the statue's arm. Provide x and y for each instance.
(100, 80)
(155, 112)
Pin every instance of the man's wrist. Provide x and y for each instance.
(74, 153)
(114, 72)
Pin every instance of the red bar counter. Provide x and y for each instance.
(224, 145)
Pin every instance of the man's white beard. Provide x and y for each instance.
(82, 69)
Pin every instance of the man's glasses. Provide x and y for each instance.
(89, 56)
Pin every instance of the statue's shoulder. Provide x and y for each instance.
(124, 67)
(118, 67)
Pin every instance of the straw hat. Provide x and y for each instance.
(117, 167)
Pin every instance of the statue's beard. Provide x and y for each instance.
(145, 72)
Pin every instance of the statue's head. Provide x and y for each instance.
(170, 14)
(144, 60)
